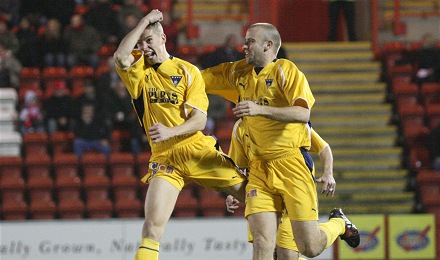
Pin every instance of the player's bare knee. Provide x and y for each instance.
(309, 250)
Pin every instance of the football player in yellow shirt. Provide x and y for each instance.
(275, 103)
(286, 247)
(171, 103)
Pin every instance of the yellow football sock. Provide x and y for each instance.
(148, 250)
(333, 228)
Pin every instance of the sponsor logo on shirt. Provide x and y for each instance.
(161, 96)
(158, 167)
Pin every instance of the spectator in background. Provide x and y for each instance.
(124, 117)
(10, 68)
(103, 18)
(62, 10)
(224, 53)
(172, 27)
(31, 117)
(347, 7)
(8, 38)
(108, 80)
(434, 147)
(128, 24)
(89, 96)
(58, 109)
(51, 45)
(10, 11)
(129, 8)
(83, 41)
(27, 39)
(91, 132)
(426, 59)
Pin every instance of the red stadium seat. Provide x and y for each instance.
(419, 157)
(412, 114)
(127, 204)
(42, 207)
(14, 209)
(30, 74)
(99, 208)
(96, 184)
(188, 52)
(404, 89)
(208, 48)
(66, 173)
(61, 142)
(142, 160)
(12, 183)
(39, 180)
(428, 182)
(71, 208)
(35, 143)
(81, 72)
(186, 204)
(212, 203)
(119, 139)
(54, 73)
(94, 164)
(106, 50)
(433, 114)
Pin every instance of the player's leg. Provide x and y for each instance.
(311, 241)
(159, 204)
(313, 238)
(263, 227)
(286, 246)
(286, 254)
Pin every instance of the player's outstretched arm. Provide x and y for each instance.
(327, 179)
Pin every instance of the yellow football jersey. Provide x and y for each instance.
(317, 143)
(279, 84)
(239, 146)
(166, 94)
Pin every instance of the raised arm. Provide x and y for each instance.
(123, 56)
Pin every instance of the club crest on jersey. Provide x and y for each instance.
(268, 82)
(176, 79)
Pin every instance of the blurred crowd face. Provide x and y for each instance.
(87, 114)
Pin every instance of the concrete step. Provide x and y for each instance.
(358, 175)
(383, 186)
(359, 110)
(350, 207)
(349, 99)
(355, 88)
(333, 56)
(318, 47)
(389, 153)
(369, 197)
(343, 78)
(353, 119)
(365, 142)
(364, 164)
(355, 131)
(338, 67)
